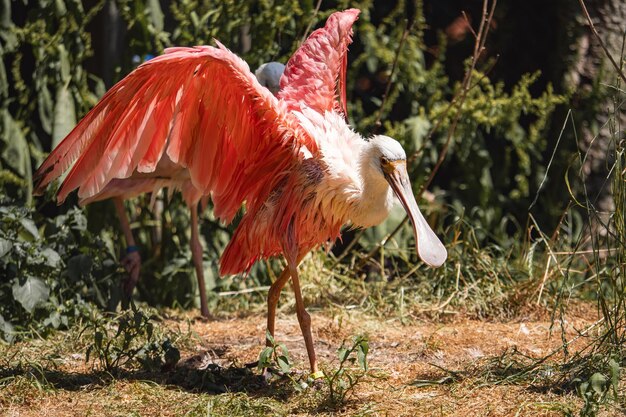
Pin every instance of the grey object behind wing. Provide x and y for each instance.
(269, 75)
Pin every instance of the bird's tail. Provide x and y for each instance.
(250, 243)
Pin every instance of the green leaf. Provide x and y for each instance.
(419, 127)
(5, 14)
(4, 82)
(79, 221)
(6, 330)
(33, 292)
(65, 65)
(61, 10)
(269, 338)
(53, 319)
(79, 266)
(30, 227)
(45, 108)
(615, 371)
(156, 14)
(5, 246)
(195, 21)
(16, 152)
(363, 344)
(52, 257)
(342, 353)
(361, 355)
(598, 383)
(372, 63)
(64, 115)
(283, 363)
(265, 357)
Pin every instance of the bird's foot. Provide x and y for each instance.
(132, 265)
(310, 381)
(203, 317)
(317, 375)
(305, 381)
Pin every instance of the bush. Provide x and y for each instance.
(53, 270)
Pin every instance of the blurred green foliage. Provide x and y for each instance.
(48, 80)
(129, 341)
(53, 270)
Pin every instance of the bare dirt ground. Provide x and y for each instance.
(412, 371)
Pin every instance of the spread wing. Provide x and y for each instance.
(200, 106)
(316, 74)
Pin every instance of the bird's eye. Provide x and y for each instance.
(386, 165)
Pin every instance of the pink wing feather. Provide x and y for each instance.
(201, 106)
(316, 74)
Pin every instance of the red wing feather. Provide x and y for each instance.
(205, 109)
(315, 76)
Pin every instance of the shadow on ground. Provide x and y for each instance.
(196, 374)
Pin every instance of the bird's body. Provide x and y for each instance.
(198, 120)
(315, 197)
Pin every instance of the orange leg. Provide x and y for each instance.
(272, 300)
(196, 253)
(132, 260)
(303, 317)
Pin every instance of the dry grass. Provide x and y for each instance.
(422, 368)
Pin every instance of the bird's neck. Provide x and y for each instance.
(375, 200)
(368, 195)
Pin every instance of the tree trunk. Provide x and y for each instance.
(591, 73)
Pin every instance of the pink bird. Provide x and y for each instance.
(196, 119)
(268, 76)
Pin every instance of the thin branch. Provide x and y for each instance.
(469, 24)
(405, 35)
(453, 103)
(597, 35)
(308, 28)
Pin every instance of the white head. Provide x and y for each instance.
(380, 147)
(269, 75)
(387, 160)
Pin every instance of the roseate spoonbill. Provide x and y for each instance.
(268, 75)
(199, 119)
